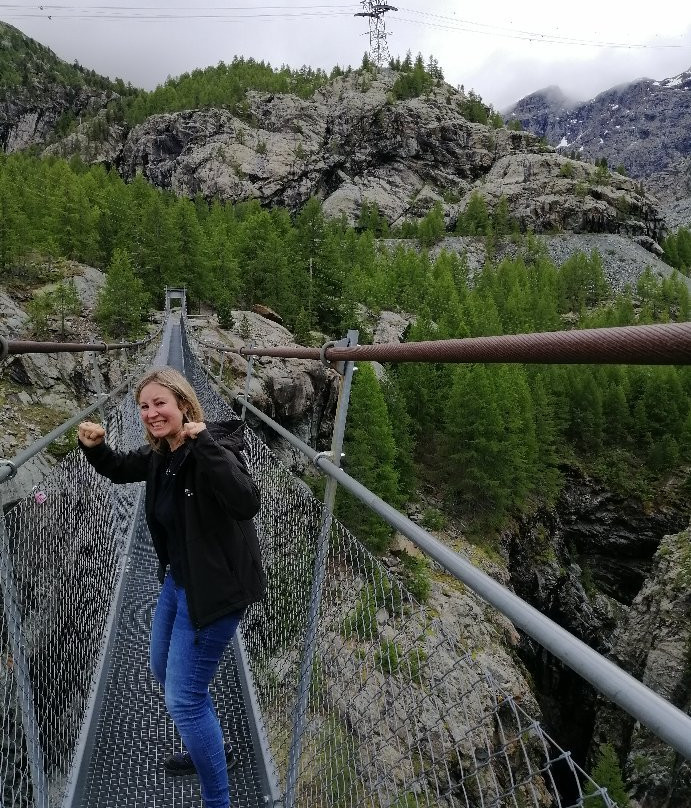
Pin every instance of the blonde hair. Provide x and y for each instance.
(178, 385)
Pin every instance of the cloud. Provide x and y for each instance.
(503, 77)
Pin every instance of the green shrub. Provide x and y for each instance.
(361, 623)
(433, 519)
(388, 656)
(63, 445)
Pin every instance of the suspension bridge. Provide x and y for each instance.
(340, 689)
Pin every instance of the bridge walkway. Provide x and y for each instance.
(132, 732)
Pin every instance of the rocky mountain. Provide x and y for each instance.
(643, 126)
(40, 93)
(352, 143)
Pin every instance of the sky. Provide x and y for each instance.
(502, 49)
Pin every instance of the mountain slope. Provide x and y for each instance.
(644, 126)
(41, 94)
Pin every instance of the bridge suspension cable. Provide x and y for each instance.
(658, 344)
(11, 347)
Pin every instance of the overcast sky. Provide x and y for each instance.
(501, 48)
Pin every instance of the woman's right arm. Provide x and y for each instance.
(120, 467)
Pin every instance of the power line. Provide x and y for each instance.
(194, 8)
(137, 13)
(471, 26)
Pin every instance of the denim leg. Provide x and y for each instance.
(193, 659)
(161, 629)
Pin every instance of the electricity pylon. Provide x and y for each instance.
(378, 48)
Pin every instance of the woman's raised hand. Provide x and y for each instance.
(190, 429)
(91, 434)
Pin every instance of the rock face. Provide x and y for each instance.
(673, 187)
(653, 643)
(643, 125)
(40, 391)
(348, 144)
(300, 394)
(352, 143)
(549, 193)
(584, 564)
(49, 88)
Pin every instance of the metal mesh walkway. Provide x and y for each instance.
(134, 731)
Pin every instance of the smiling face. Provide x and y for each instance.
(160, 412)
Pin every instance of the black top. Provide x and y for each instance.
(215, 500)
(165, 511)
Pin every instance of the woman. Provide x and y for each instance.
(200, 500)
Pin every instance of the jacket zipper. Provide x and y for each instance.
(188, 591)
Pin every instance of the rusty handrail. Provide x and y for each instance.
(657, 344)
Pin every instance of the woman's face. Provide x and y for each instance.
(160, 411)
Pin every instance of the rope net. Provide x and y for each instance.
(398, 710)
(61, 557)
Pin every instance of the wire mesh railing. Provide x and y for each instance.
(402, 710)
(61, 557)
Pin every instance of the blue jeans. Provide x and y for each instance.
(184, 668)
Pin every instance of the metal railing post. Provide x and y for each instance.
(20, 667)
(98, 385)
(248, 378)
(220, 369)
(300, 716)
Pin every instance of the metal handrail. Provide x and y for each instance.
(664, 719)
(655, 344)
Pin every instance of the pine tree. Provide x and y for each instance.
(301, 330)
(607, 774)
(39, 309)
(475, 219)
(66, 302)
(475, 432)
(401, 426)
(370, 455)
(432, 228)
(122, 301)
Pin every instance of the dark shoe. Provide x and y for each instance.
(181, 763)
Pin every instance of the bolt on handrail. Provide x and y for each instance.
(656, 344)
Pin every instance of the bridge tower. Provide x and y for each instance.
(176, 293)
(378, 47)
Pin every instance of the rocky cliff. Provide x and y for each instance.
(353, 143)
(643, 125)
(40, 93)
(653, 643)
(603, 565)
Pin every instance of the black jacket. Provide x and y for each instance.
(216, 500)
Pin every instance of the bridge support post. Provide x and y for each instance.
(300, 716)
(248, 378)
(96, 373)
(220, 369)
(20, 667)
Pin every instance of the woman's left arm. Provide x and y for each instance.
(225, 473)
